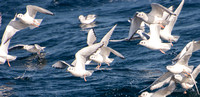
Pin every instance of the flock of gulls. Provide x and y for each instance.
(160, 22)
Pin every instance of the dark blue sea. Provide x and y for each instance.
(62, 35)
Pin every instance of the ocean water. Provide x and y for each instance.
(63, 36)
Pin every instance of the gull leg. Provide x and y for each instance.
(35, 22)
(186, 73)
(185, 92)
(108, 64)
(162, 51)
(170, 41)
(162, 26)
(8, 63)
(85, 78)
(98, 66)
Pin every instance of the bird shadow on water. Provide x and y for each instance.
(29, 66)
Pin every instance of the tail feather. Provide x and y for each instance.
(175, 38)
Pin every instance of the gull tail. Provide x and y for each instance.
(109, 60)
(175, 38)
(11, 58)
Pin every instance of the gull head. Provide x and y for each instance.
(70, 69)
(142, 15)
(143, 43)
(178, 77)
(139, 32)
(175, 69)
(81, 17)
(20, 15)
(145, 94)
(97, 58)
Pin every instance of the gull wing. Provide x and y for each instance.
(10, 31)
(165, 78)
(167, 15)
(159, 82)
(60, 65)
(196, 71)
(83, 54)
(106, 38)
(135, 25)
(91, 38)
(154, 33)
(108, 49)
(15, 47)
(157, 10)
(172, 20)
(184, 56)
(32, 10)
(165, 91)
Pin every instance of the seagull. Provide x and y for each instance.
(166, 32)
(28, 19)
(181, 60)
(78, 69)
(136, 24)
(87, 19)
(163, 92)
(187, 82)
(30, 48)
(156, 15)
(10, 30)
(102, 54)
(154, 42)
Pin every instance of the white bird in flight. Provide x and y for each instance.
(28, 19)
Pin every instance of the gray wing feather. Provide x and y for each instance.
(157, 10)
(115, 52)
(18, 46)
(165, 78)
(60, 65)
(196, 71)
(165, 91)
(135, 25)
(32, 10)
(184, 56)
(83, 54)
(106, 38)
(91, 38)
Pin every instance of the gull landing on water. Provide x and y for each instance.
(28, 19)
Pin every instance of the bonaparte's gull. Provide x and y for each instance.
(154, 42)
(87, 19)
(156, 15)
(187, 82)
(30, 48)
(163, 92)
(28, 19)
(102, 54)
(181, 60)
(10, 30)
(78, 69)
(166, 32)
